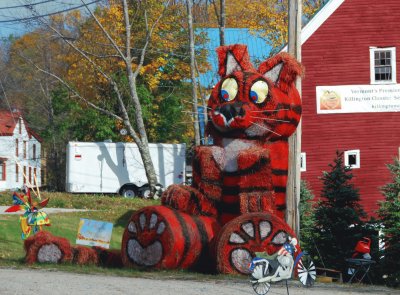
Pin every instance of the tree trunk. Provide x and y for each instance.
(222, 23)
(193, 73)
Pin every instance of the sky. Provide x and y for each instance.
(11, 10)
(256, 46)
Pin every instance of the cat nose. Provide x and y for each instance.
(232, 110)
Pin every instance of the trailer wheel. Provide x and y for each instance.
(145, 192)
(129, 191)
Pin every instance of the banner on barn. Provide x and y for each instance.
(94, 233)
(358, 99)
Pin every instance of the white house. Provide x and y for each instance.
(20, 152)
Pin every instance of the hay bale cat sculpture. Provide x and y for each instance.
(237, 202)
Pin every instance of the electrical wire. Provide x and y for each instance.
(47, 14)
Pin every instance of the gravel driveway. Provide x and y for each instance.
(28, 281)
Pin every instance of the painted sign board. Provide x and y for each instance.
(94, 233)
(358, 99)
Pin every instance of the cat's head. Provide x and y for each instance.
(254, 103)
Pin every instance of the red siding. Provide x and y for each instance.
(338, 54)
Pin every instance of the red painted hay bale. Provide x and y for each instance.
(44, 247)
(84, 255)
(160, 237)
(109, 258)
(239, 239)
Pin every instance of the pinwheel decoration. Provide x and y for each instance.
(33, 219)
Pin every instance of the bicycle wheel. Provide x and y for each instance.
(306, 271)
(260, 288)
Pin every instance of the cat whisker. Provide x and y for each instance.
(265, 111)
(265, 128)
(270, 119)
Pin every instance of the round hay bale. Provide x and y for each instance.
(240, 238)
(109, 258)
(46, 248)
(85, 256)
(160, 237)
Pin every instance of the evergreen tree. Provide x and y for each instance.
(307, 216)
(389, 212)
(339, 216)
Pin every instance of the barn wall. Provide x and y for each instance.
(338, 54)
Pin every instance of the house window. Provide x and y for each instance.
(20, 126)
(30, 175)
(352, 158)
(383, 65)
(303, 162)
(16, 148)
(16, 173)
(34, 152)
(2, 169)
(25, 148)
(24, 175)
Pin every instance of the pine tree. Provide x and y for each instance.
(339, 216)
(389, 212)
(307, 216)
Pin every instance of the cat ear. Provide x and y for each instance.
(282, 69)
(233, 58)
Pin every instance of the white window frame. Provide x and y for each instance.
(372, 51)
(351, 153)
(303, 162)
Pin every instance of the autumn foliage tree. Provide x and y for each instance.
(127, 60)
(267, 19)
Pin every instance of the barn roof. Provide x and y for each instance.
(8, 122)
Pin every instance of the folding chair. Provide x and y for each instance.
(360, 269)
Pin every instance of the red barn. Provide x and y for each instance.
(351, 99)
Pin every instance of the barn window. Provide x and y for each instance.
(383, 65)
(303, 162)
(352, 158)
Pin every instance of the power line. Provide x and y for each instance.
(47, 14)
(26, 5)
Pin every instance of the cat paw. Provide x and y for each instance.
(144, 246)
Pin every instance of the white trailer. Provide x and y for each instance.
(106, 167)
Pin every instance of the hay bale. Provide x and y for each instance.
(85, 255)
(163, 238)
(46, 248)
(240, 238)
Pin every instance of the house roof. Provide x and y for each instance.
(319, 18)
(8, 122)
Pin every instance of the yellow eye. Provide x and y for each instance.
(259, 92)
(229, 89)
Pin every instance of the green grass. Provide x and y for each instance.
(111, 208)
(114, 209)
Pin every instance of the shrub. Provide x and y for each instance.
(389, 212)
(339, 216)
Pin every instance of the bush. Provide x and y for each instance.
(389, 212)
(339, 217)
(307, 216)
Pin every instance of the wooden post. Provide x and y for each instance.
(293, 184)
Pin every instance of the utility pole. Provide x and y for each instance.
(293, 184)
(189, 5)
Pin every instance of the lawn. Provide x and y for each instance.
(111, 208)
(114, 209)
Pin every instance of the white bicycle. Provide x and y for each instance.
(283, 266)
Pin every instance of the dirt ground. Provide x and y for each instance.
(28, 281)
